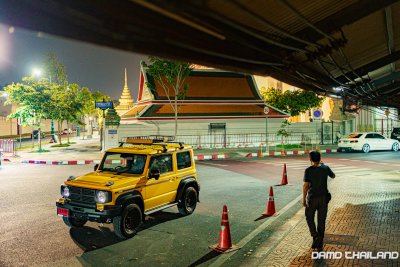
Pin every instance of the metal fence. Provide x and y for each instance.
(8, 145)
(250, 140)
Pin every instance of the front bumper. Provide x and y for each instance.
(91, 213)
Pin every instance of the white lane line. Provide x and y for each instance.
(382, 163)
(255, 232)
(344, 167)
(357, 170)
(215, 164)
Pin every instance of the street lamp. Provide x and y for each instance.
(37, 72)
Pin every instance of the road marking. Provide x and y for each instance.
(357, 170)
(255, 232)
(215, 164)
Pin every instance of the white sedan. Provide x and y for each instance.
(368, 141)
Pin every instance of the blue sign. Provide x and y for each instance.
(112, 131)
(317, 114)
(104, 105)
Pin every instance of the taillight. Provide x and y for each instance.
(354, 141)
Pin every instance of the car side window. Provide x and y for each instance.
(163, 163)
(378, 136)
(184, 160)
(369, 136)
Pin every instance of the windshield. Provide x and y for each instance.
(354, 136)
(123, 163)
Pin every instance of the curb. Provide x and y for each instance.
(84, 162)
(62, 162)
(285, 153)
(209, 157)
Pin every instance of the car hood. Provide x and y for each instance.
(101, 179)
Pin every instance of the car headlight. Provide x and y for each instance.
(101, 197)
(65, 191)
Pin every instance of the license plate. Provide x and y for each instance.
(62, 212)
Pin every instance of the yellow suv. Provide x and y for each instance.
(142, 176)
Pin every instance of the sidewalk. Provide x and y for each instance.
(88, 151)
(363, 216)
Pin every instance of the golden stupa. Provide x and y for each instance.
(125, 101)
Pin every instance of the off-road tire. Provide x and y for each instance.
(126, 225)
(365, 148)
(188, 201)
(395, 147)
(72, 222)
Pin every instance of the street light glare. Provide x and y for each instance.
(37, 72)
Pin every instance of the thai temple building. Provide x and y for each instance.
(125, 101)
(218, 107)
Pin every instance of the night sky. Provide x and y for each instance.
(96, 67)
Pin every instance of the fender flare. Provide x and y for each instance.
(188, 181)
(129, 198)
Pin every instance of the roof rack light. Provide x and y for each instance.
(147, 139)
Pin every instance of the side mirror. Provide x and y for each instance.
(96, 167)
(154, 173)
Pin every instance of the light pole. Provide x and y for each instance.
(387, 112)
(266, 111)
(38, 73)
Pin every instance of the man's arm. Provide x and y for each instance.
(331, 174)
(306, 186)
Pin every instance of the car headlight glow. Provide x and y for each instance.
(65, 191)
(101, 196)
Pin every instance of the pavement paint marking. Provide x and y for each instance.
(215, 164)
(255, 232)
(357, 170)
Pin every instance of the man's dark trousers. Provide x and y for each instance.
(317, 204)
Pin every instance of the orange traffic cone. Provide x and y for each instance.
(284, 176)
(270, 211)
(224, 241)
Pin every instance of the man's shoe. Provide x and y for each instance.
(315, 242)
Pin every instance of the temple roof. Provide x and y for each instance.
(208, 85)
(211, 94)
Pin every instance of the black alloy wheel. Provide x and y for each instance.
(126, 225)
(188, 202)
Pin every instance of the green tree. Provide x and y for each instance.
(54, 70)
(293, 102)
(171, 76)
(283, 132)
(33, 97)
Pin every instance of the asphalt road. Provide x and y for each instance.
(32, 234)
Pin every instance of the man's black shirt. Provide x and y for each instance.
(318, 179)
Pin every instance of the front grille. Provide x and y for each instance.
(83, 195)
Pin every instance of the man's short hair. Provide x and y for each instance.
(315, 156)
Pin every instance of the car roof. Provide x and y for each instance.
(149, 149)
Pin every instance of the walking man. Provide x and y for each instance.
(316, 197)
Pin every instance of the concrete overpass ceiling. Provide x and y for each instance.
(349, 48)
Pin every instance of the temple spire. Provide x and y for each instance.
(125, 101)
(126, 80)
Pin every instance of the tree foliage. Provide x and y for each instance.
(54, 70)
(171, 76)
(293, 102)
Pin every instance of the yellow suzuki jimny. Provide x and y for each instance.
(143, 175)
